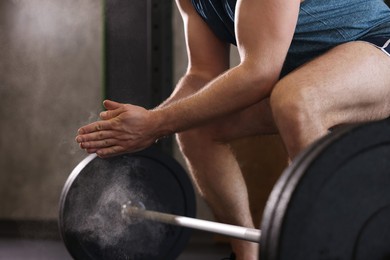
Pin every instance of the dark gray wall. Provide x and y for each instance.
(50, 84)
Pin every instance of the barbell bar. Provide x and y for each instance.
(243, 233)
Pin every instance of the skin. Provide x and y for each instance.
(213, 104)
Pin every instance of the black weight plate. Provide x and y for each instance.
(333, 201)
(90, 218)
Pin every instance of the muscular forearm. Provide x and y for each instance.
(187, 85)
(230, 92)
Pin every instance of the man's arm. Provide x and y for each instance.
(264, 30)
(208, 56)
(123, 125)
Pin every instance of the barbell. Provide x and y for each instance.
(332, 202)
(132, 214)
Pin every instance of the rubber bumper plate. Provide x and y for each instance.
(90, 218)
(333, 202)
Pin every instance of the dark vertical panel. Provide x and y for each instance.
(138, 52)
(161, 49)
(161, 57)
(127, 45)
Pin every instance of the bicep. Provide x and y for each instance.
(264, 30)
(207, 54)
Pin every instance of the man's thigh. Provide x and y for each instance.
(348, 84)
(254, 120)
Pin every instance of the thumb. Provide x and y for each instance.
(114, 109)
(110, 105)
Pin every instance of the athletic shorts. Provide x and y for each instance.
(324, 24)
(382, 43)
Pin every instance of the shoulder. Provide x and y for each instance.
(185, 7)
(189, 12)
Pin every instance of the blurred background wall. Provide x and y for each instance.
(50, 84)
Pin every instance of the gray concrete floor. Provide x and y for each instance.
(201, 246)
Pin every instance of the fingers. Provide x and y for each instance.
(101, 137)
(113, 109)
(96, 136)
(110, 151)
(103, 143)
(107, 152)
(106, 115)
(110, 105)
(95, 127)
(96, 145)
(121, 130)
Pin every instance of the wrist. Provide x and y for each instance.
(161, 123)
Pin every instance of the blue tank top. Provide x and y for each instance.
(219, 15)
(322, 24)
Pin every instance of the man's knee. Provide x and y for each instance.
(294, 105)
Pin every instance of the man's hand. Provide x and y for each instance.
(124, 128)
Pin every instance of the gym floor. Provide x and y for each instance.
(201, 246)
